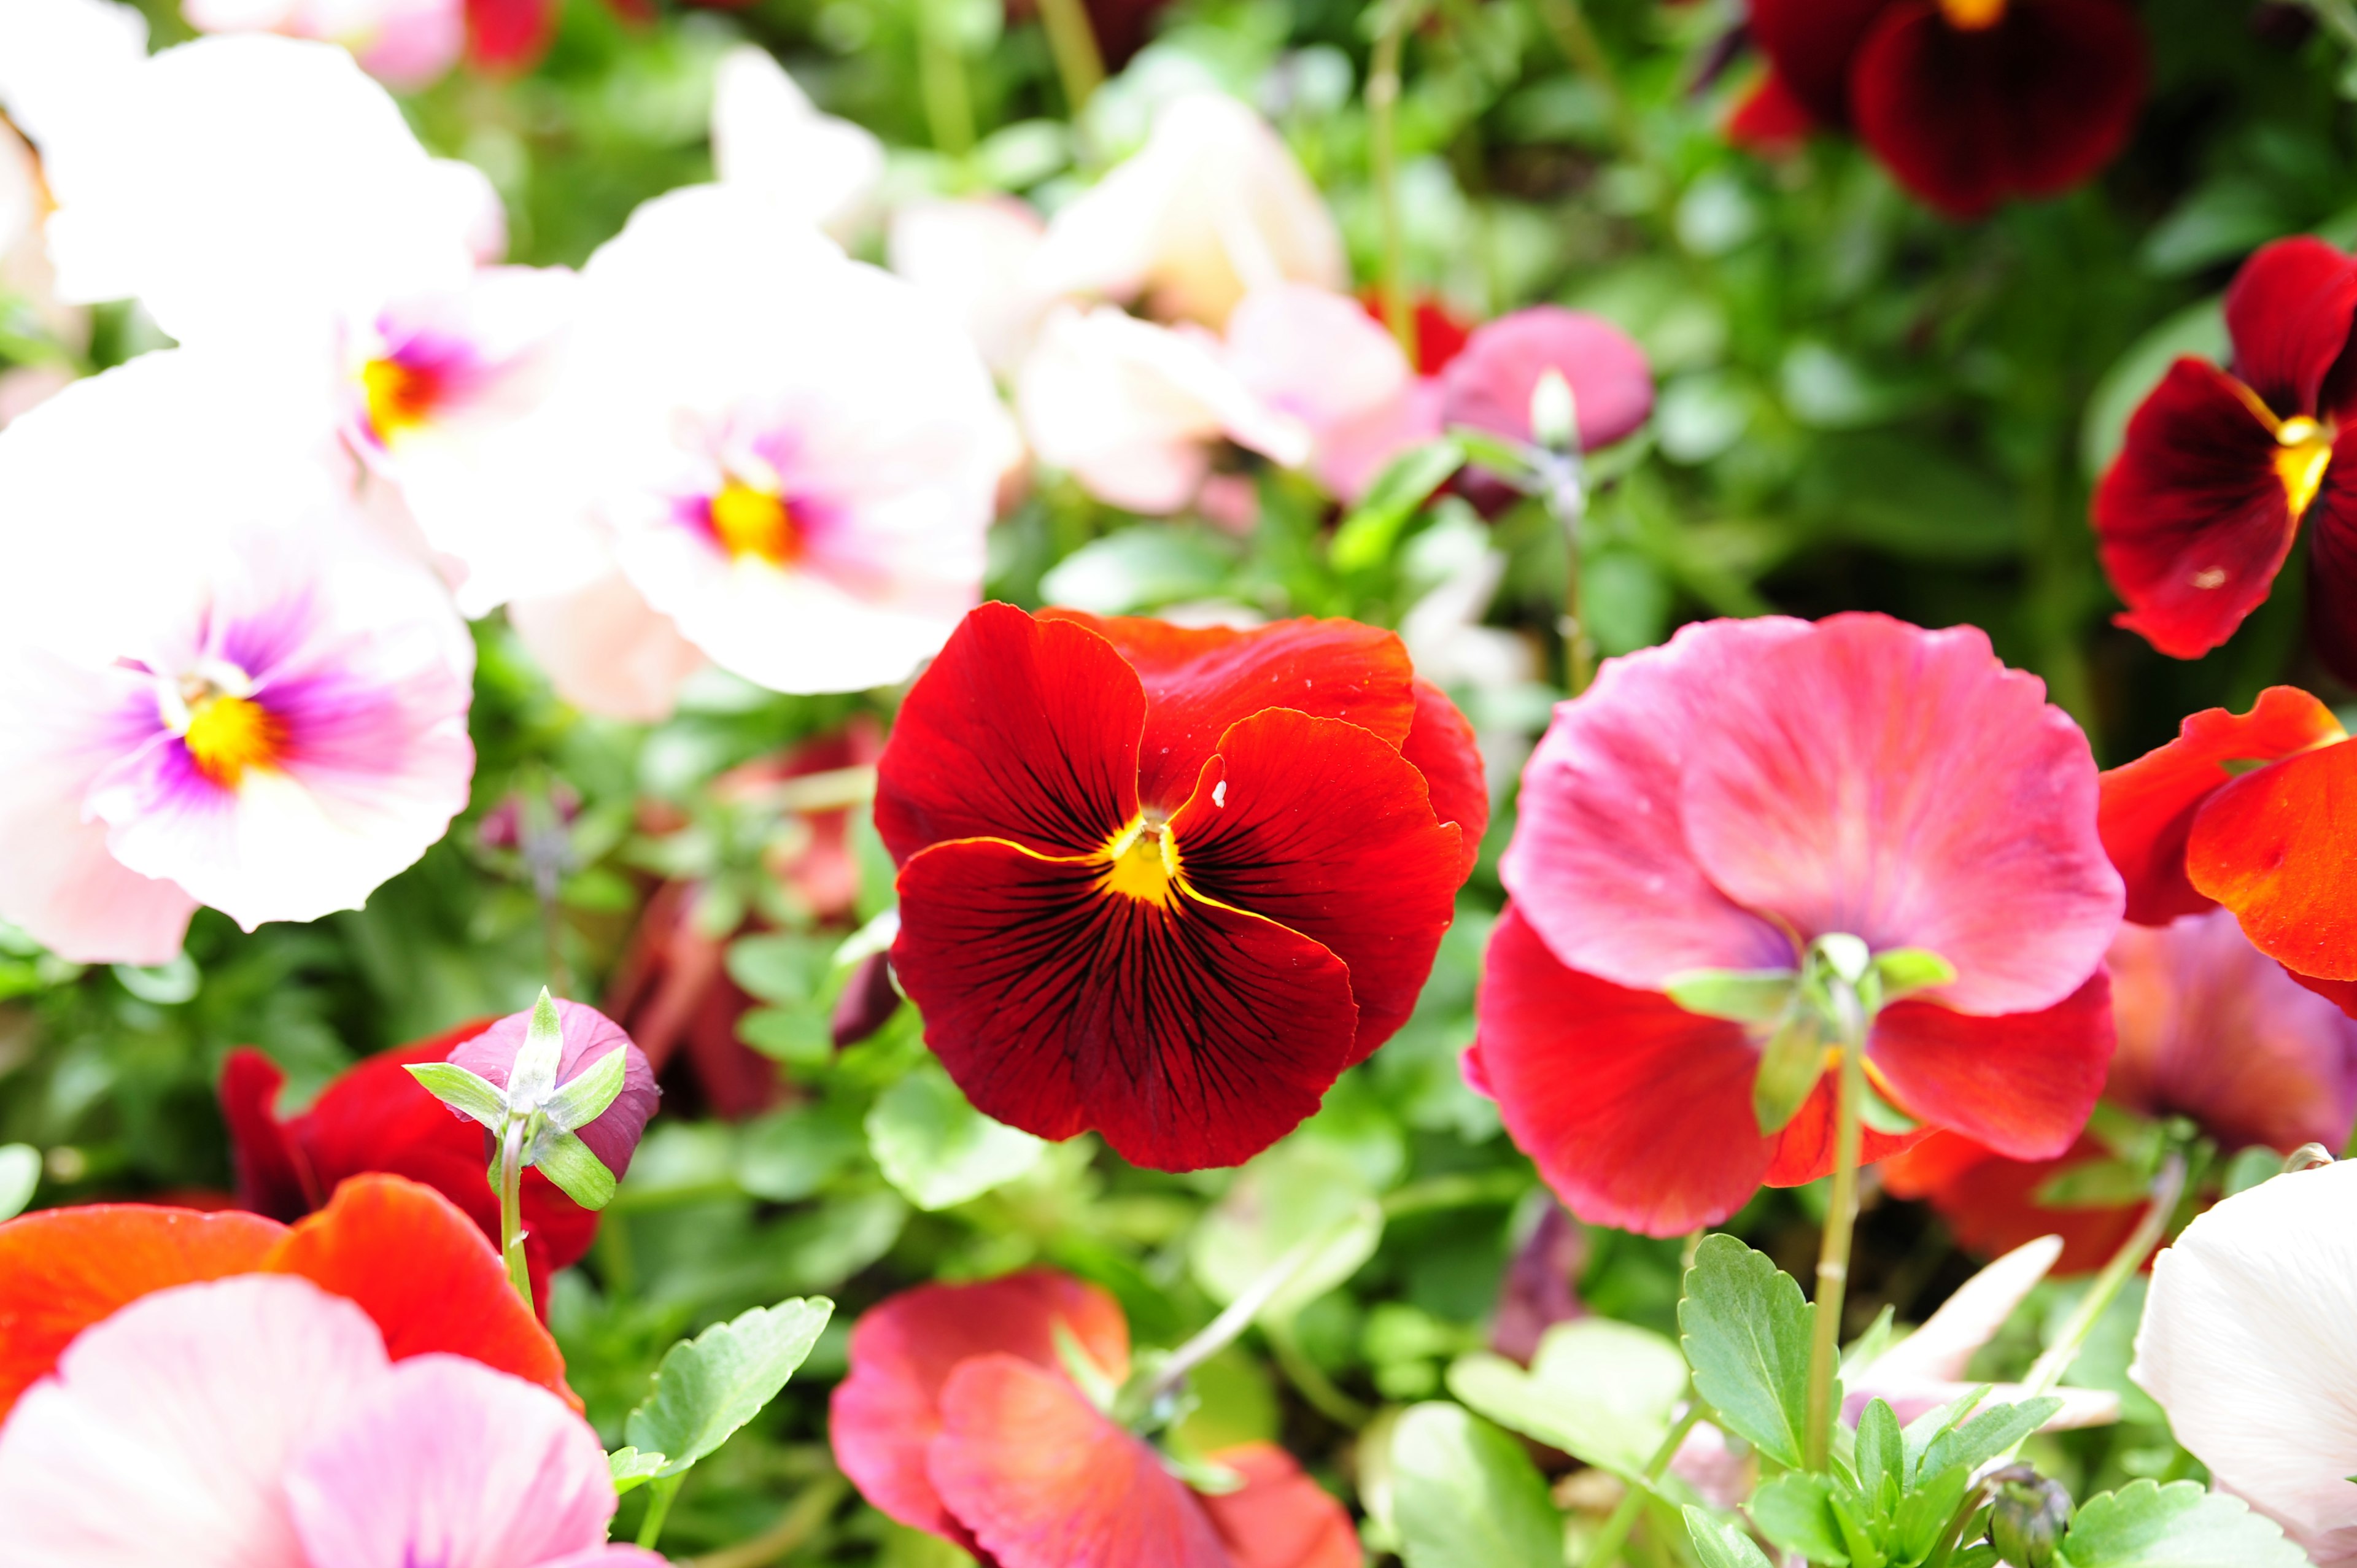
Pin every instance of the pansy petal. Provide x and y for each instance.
(2023, 1083)
(425, 1274)
(1024, 730)
(1319, 826)
(2149, 805)
(1201, 679)
(1044, 1480)
(1905, 787)
(1990, 1203)
(1440, 742)
(1188, 1033)
(885, 1414)
(1638, 1112)
(607, 650)
(2289, 312)
(446, 1461)
(2332, 560)
(272, 1177)
(1279, 1518)
(2279, 848)
(62, 1269)
(1811, 44)
(164, 1434)
(1600, 866)
(1803, 1150)
(1771, 119)
(2193, 520)
(1489, 386)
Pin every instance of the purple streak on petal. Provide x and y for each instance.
(589, 1035)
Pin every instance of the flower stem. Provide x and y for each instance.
(1623, 1518)
(1841, 1221)
(1080, 64)
(1382, 153)
(510, 1178)
(2167, 1187)
(940, 72)
(660, 1492)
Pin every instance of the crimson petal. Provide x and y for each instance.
(1804, 1150)
(1279, 1518)
(2332, 560)
(1441, 744)
(1319, 826)
(1811, 44)
(1188, 1034)
(1022, 730)
(2023, 1084)
(2279, 848)
(2289, 312)
(1771, 119)
(2193, 520)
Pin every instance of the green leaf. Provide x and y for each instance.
(1721, 1544)
(565, 1160)
(468, 1093)
(1795, 1512)
(710, 1386)
(1987, 1433)
(631, 1468)
(1902, 971)
(1745, 1329)
(1367, 535)
(937, 1149)
(1465, 1494)
(1857, 1523)
(788, 1156)
(1881, 1456)
(585, 1097)
(2182, 1525)
(1744, 995)
(1923, 1514)
(2248, 1168)
(1600, 1390)
(20, 1173)
(1790, 1065)
(777, 966)
(1142, 567)
(2098, 1183)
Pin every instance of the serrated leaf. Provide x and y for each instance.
(937, 1149)
(1600, 1390)
(1790, 1065)
(1367, 535)
(470, 1094)
(565, 1160)
(2182, 1525)
(1880, 1456)
(710, 1386)
(1744, 1326)
(21, 1175)
(1720, 1544)
(1742, 996)
(1465, 1494)
(585, 1097)
(1924, 1513)
(1795, 1512)
(1987, 1433)
(630, 1468)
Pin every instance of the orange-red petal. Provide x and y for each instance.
(2279, 848)
(1990, 1203)
(1279, 1518)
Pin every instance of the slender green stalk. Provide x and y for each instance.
(2167, 1188)
(940, 70)
(1623, 1518)
(511, 1176)
(1568, 23)
(1311, 1381)
(660, 1492)
(794, 1528)
(1080, 64)
(1382, 153)
(1841, 1221)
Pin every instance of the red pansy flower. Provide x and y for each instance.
(400, 1250)
(2209, 1028)
(2199, 509)
(1966, 102)
(2251, 811)
(1721, 802)
(376, 1117)
(959, 1419)
(1169, 883)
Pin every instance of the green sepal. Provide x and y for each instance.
(1741, 995)
(532, 1078)
(1902, 971)
(1880, 1114)
(1790, 1065)
(470, 1094)
(585, 1099)
(565, 1160)
(1368, 534)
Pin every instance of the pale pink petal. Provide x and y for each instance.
(1600, 866)
(2249, 1343)
(450, 1462)
(1968, 1319)
(767, 137)
(1352, 454)
(165, 1431)
(607, 650)
(1491, 382)
(974, 255)
(1905, 787)
(1314, 353)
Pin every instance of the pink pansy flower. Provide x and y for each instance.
(405, 44)
(796, 455)
(1319, 356)
(221, 687)
(1212, 207)
(1722, 802)
(2249, 1343)
(1134, 411)
(769, 138)
(257, 1421)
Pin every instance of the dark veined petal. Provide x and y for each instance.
(1320, 827)
(2279, 848)
(1279, 1518)
(2030, 106)
(1043, 1479)
(2289, 312)
(2149, 805)
(1201, 679)
(886, 1414)
(2023, 1083)
(1811, 44)
(1022, 730)
(1637, 1111)
(2332, 562)
(1990, 1203)
(1441, 744)
(1188, 1033)
(2193, 520)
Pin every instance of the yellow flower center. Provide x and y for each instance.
(226, 735)
(1973, 15)
(749, 521)
(400, 399)
(1142, 862)
(2304, 450)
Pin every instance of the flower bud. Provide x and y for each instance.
(2028, 1517)
(586, 1036)
(868, 1000)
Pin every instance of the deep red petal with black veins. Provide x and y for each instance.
(2279, 848)
(1019, 729)
(1770, 120)
(1320, 827)
(1990, 1203)
(1279, 1518)
(1045, 1480)
(1201, 679)
(2149, 805)
(62, 1269)
(2031, 106)
(1637, 1111)
(1441, 744)
(273, 1177)
(2022, 1083)
(1811, 44)
(1188, 1034)
(886, 1414)
(1804, 1150)
(509, 34)
(2193, 520)
(2332, 560)
(2289, 313)
(424, 1272)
